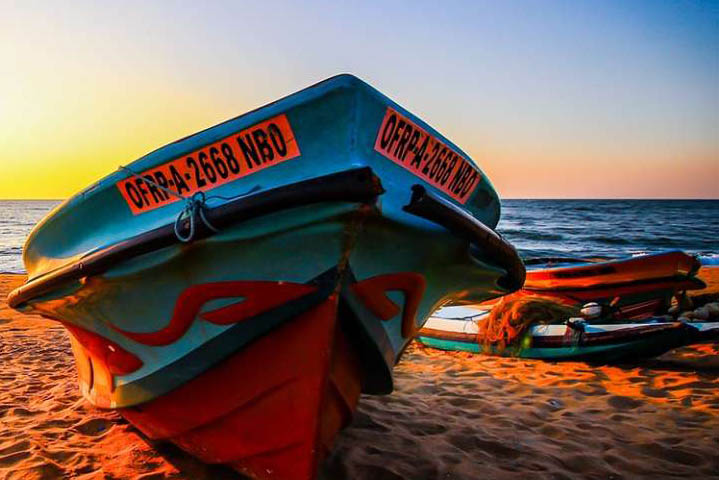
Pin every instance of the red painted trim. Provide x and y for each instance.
(258, 296)
(118, 360)
(373, 293)
(648, 267)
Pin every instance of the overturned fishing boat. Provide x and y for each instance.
(634, 288)
(234, 291)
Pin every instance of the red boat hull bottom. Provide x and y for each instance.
(272, 410)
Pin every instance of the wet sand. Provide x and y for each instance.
(452, 416)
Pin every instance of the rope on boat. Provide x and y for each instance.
(194, 207)
(512, 316)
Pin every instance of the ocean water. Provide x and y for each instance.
(538, 228)
(611, 228)
(17, 217)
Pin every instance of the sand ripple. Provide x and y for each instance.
(461, 416)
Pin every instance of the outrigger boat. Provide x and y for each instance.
(620, 301)
(458, 329)
(234, 291)
(633, 288)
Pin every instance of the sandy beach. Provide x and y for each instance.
(452, 416)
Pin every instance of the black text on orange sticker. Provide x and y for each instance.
(235, 156)
(408, 145)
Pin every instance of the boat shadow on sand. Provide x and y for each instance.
(682, 360)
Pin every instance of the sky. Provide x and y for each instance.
(552, 99)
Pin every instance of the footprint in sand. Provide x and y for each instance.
(377, 472)
(425, 428)
(152, 476)
(579, 463)
(673, 454)
(21, 412)
(364, 421)
(47, 424)
(623, 403)
(15, 447)
(60, 456)
(469, 443)
(451, 459)
(45, 471)
(618, 418)
(653, 392)
(94, 427)
(13, 458)
(551, 431)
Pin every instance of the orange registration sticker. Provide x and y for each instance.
(238, 155)
(408, 145)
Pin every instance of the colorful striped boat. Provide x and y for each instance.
(234, 291)
(457, 329)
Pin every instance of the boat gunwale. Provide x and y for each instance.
(434, 208)
(698, 284)
(632, 332)
(354, 185)
(581, 264)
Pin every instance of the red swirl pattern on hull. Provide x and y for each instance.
(257, 296)
(271, 410)
(373, 293)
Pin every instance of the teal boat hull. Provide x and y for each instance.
(623, 351)
(333, 214)
(458, 329)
